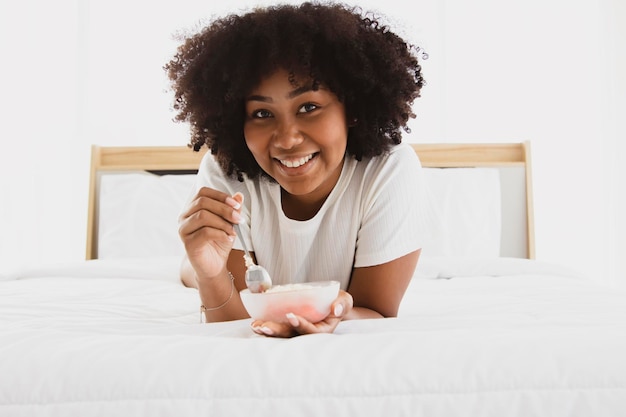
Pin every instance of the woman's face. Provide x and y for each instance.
(297, 135)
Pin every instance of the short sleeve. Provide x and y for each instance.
(396, 211)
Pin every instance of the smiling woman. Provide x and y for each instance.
(303, 109)
(106, 87)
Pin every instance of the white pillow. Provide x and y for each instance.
(467, 212)
(138, 214)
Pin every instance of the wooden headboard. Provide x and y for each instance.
(511, 159)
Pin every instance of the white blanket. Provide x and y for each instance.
(481, 338)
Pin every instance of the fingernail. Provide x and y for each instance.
(233, 203)
(293, 320)
(338, 310)
(236, 217)
(267, 330)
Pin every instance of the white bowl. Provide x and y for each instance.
(311, 300)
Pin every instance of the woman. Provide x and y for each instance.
(302, 108)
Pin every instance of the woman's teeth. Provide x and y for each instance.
(295, 163)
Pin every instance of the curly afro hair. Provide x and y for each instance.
(373, 71)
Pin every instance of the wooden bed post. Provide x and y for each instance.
(92, 233)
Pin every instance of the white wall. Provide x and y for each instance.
(615, 25)
(549, 71)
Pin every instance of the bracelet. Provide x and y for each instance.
(203, 309)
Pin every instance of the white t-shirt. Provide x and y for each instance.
(369, 218)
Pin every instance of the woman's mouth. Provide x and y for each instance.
(296, 162)
(296, 166)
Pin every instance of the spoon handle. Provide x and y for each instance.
(243, 243)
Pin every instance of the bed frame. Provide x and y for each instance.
(511, 159)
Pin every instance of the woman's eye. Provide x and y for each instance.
(307, 108)
(261, 114)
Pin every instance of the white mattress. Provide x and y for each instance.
(474, 338)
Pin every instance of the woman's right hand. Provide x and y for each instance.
(206, 229)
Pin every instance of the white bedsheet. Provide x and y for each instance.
(103, 338)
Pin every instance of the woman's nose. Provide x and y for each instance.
(287, 135)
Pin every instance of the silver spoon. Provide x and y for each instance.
(257, 277)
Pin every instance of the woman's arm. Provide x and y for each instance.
(206, 230)
(378, 290)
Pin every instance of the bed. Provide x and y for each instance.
(483, 330)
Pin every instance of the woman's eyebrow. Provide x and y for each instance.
(299, 90)
(294, 93)
(256, 97)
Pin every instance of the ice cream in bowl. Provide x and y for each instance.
(311, 300)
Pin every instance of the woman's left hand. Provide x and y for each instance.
(297, 325)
